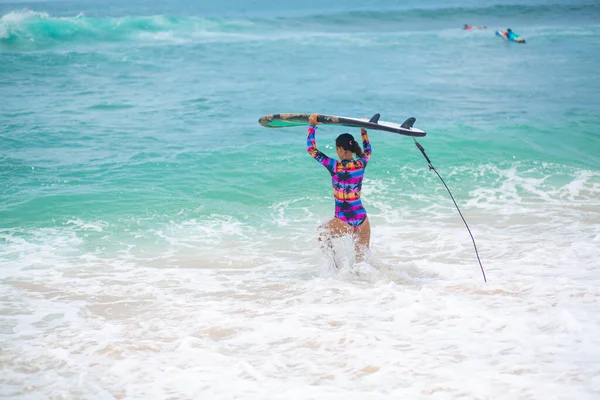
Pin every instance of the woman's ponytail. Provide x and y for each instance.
(355, 148)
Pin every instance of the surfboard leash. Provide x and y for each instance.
(431, 167)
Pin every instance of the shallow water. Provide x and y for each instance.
(156, 242)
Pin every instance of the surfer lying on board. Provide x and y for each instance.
(346, 178)
(510, 35)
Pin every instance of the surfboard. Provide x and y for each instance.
(291, 120)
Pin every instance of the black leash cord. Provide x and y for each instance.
(431, 167)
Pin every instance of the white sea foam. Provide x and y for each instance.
(218, 308)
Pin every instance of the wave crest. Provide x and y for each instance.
(37, 29)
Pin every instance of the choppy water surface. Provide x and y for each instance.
(156, 242)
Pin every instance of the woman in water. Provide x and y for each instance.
(346, 176)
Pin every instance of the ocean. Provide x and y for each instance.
(156, 242)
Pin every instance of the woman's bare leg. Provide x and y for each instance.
(331, 229)
(363, 239)
(336, 228)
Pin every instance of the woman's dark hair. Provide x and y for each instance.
(347, 142)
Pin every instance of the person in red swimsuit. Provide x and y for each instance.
(471, 27)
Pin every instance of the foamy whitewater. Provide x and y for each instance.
(157, 243)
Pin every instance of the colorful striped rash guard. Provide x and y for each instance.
(346, 178)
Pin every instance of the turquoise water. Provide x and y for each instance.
(126, 116)
(129, 140)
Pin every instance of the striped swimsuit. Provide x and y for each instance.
(346, 178)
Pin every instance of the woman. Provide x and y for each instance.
(346, 176)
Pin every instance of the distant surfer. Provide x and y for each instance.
(346, 176)
(509, 35)
(471, 27)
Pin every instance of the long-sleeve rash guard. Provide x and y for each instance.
(346, 178)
